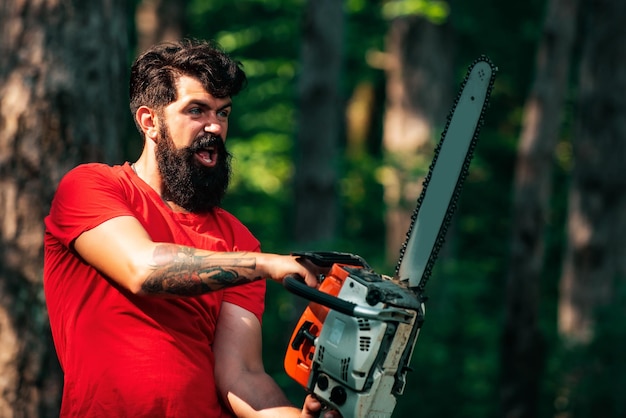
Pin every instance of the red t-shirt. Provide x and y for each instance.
(125, 355)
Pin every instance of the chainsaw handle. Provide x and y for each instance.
(296, 285)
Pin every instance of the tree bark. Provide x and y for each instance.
(523, 351)
(320, 122)
(419, 95)
(595, 258)
(160, 20)
(61, 103)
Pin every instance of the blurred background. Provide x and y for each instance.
(331, 140)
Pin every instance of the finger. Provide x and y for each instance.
(311, 407)
(312, 267)
(308, 277)
(311, 280)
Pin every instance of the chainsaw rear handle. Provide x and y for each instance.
(295, 284)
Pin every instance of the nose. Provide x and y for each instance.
(215, 123)
(213, 127)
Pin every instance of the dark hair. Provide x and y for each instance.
(154, 73)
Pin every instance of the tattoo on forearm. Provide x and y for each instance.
(179, 270)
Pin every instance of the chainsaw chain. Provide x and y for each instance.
(459, 185)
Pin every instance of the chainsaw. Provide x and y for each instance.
(353, 344)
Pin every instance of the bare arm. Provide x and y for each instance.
(239, 373)
(121, 249)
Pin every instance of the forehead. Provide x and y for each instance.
(186, 85)
(190, 89)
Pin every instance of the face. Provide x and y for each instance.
(190, 149)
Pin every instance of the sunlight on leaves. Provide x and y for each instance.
(355, 6)
(257, 68)
(262, 163)
(435, 11)
(232, 41)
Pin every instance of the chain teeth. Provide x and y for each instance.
(459, 185)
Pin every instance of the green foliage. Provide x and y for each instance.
(435, 11)
(261, 168)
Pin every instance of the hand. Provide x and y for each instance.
(313, 408)
(281, 266)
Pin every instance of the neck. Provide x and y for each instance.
(149, 173)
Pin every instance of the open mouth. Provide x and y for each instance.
(207, 156)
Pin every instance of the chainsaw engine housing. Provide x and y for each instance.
(354, 364)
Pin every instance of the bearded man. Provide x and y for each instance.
(154, 292)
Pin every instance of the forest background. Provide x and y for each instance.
(331, 140)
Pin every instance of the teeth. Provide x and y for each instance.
(206, 155)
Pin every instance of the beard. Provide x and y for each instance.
(189, 184)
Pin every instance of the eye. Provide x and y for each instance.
(223, 114)
(195, 111)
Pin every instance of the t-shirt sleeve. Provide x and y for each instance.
(86, 197)
(248, 296)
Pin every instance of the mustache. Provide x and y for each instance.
(206, 141)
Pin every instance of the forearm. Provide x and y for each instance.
(257, 395)
(185, 271)
(239, 374)
(121, 249)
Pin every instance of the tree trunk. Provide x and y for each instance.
(419, 95)
(63, 63)
(320, 122)
(523, 351)
(596, 251)
(160, 20)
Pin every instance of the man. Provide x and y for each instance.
(141, 263)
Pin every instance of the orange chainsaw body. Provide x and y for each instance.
(301, 349)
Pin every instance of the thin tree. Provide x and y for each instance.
(594, 262)
(61, 103)
(523, 346)
(160, 20)
(419, 62)
(320, 122)
(594, 268)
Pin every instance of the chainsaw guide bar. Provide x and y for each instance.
(448, 170)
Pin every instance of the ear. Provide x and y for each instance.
(147, 119)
